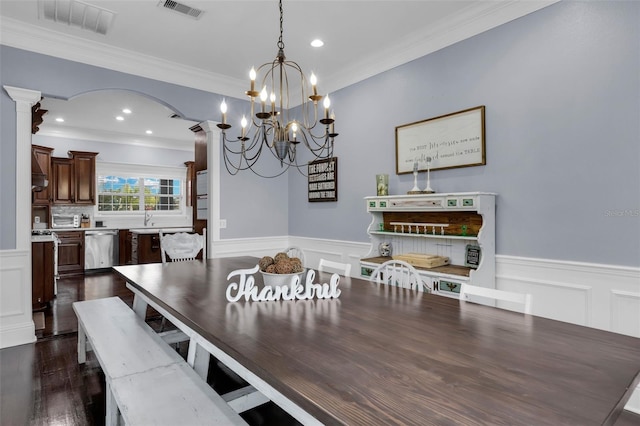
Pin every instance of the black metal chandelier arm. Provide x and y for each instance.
(243, 147)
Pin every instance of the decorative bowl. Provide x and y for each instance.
(278, 280)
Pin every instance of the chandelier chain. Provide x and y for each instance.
(280, 42)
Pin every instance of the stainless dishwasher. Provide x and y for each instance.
(101, 249)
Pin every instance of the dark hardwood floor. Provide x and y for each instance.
(43, 384)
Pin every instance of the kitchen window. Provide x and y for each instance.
(126, 189)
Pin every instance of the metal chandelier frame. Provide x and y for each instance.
(274, 128)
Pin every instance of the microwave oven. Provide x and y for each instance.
(65, 221)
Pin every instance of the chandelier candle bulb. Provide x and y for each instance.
(273, 103)
(314, 81)
(223, 109)
(327, 104)
(252, 77)
(243, 123)
(263, 98)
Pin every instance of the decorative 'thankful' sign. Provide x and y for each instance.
(247, 289)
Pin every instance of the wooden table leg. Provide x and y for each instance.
(140, 307)
(198, 358)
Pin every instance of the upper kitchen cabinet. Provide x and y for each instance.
(74, 178)
(85, 176)
(42, 156)
(63, 180)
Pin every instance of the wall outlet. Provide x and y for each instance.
(223, 223)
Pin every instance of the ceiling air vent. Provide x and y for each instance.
(77, 13)
(181, 8)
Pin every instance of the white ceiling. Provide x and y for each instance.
(215, 52)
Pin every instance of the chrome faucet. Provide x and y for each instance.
(147, 218)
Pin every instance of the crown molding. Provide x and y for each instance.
(477, 18)
(24, 36)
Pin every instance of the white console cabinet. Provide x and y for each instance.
(459, 226)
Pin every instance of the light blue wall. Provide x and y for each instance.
(245, 200)
(562, 94)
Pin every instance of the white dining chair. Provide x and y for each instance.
(182, 246)
(523, 299)
(399, 273)
(294, 251)
(334, 267)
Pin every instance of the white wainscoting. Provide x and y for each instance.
(594, 295)
(16, 319)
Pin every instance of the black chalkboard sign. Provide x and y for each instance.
(472, 256)
(323, 180)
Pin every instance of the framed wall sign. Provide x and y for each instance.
(452, 140)
(472, 256)
(323, 180)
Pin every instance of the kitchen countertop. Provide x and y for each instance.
(148, 230)
(42, 238)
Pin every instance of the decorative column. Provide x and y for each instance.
(213, 173)
(16, 320)
(24, 100)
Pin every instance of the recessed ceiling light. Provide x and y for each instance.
(317, 43)
(120, 118)
(126, 111)
(149, 132)
(60, 120)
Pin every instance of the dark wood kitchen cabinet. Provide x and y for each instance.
(74, 178)
(63, 180)
(124, 246)
(85, 176)
(42, 274)
(71, 252)
(145, 248)
(43, 157)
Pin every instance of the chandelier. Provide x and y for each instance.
(272, 126)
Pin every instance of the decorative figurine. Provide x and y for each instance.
(382, 184)
(415, 189)
(428, 189)
(385, 249)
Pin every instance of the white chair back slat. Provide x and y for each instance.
(182, 246)
(523, 299)
(399, 273)
(295, 252)
(335, 267)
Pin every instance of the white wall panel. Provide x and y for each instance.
(16, 320)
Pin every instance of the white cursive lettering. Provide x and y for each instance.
(296, 291)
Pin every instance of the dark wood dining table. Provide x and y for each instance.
(387, 355)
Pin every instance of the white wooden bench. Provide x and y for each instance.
(146, 381)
